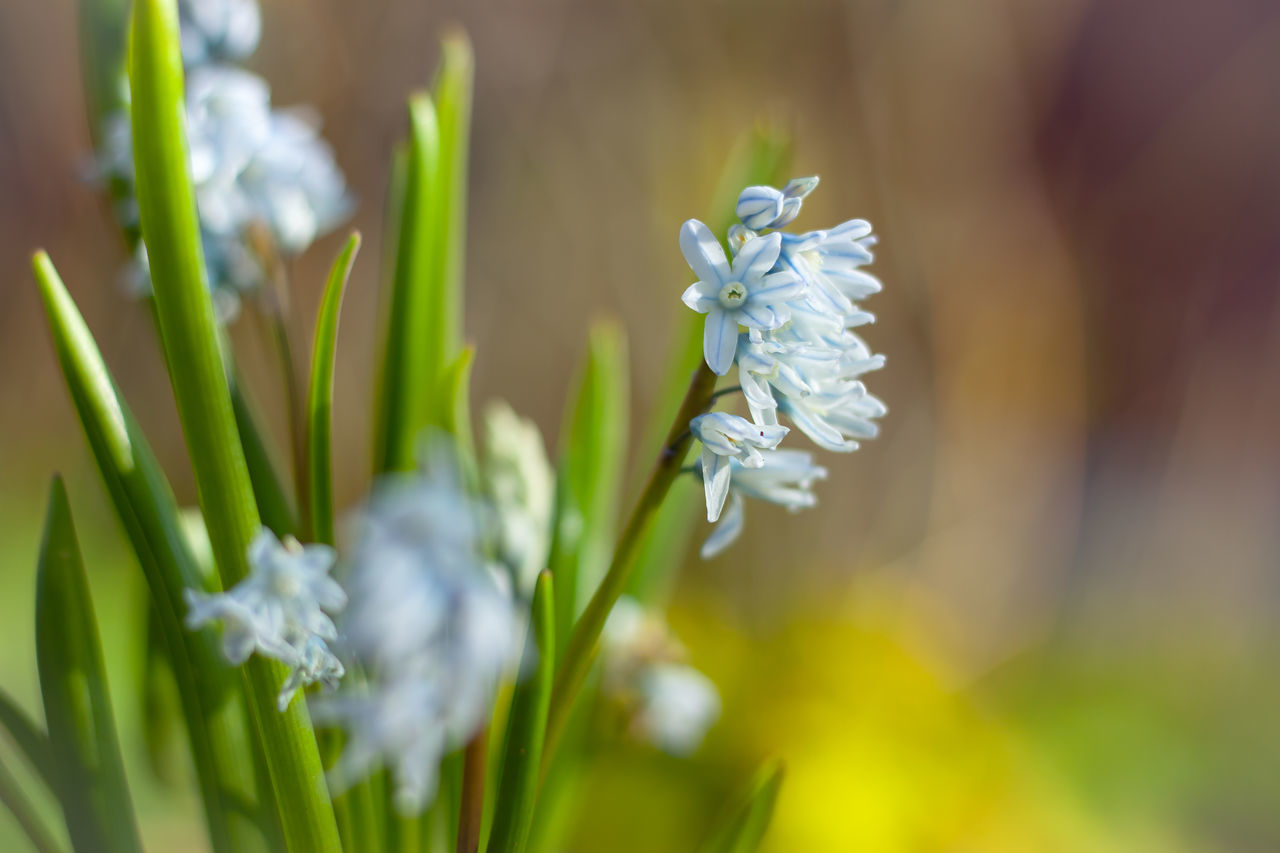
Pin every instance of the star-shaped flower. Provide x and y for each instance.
(745, 293)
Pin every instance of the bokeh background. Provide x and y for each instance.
(1039, 612)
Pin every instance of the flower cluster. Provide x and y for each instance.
(266, 183)
(782, 311)
(431, 628)
(521, 484)
(666, 702)
(281, 610)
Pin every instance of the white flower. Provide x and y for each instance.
(725, 436)
(218, 29)
(432, 629)
(521, 484)
(765, 207)
(266, 183)
(281, 610)
(679, 704)
(744, 293)
(668, 703)
(786, 478)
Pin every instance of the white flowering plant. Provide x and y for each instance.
(410, 684)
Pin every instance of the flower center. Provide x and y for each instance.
(733, 294)
(286, 585)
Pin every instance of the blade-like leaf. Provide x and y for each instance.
(452, 92)
(761, 156)
(409, 374)
(236, 806)
(526, 727)
(82, 733)
(268, 487)
(29, 737)
(455, 392)
(103, 25)
(167, 210)
(15, 799)
(589, 475)
(742, 827)
(320, 396)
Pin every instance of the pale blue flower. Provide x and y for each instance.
(668, 703)
(728, 437)
(218, 29)
(765, 207)
(432, 629)
(678, 706)
(282, 610)
(786, 478)
(744, 293)
(266, 184)
(521, 484)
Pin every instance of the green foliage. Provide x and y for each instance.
(145, 505)
(526, 727)
(82, 733)
(589, 475)
(166, 203)
(319, 413)
(743, 826)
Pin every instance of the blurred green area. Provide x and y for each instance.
(1037, 614)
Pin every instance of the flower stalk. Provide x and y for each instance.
(585, 639)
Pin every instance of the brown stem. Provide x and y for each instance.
(472, 809)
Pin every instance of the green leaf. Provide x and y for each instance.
(30, 739)
(452, 92)
(455, 392)
(761, 156)
(409, 374)
(103, 27)
(82, 733)
(144, 503)
(742, 827)
(13, 797)
(167, 210)
(320, 396)
(425, 306)
(526, 727)
(264, 477)
(589, 474)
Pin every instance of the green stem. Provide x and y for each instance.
(581, 650)
(25, 814)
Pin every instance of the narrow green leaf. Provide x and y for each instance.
(742, 827)
(320, 396)
(761, 156)
(455, 392)
(167, 211)
(82, 733)
(237, 808)
(268, 486)
(409, 374)
(452, 92)
(589, 475)
(15, 799)
(526, 727)
(103, 27)
(29, 738)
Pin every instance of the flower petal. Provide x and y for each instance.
(757, 257)
(776, 288)
(727, 531)
(715, 480)
(720, 340)
(704, 253)
(697, 298)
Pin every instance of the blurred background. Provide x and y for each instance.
(1039, 612)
